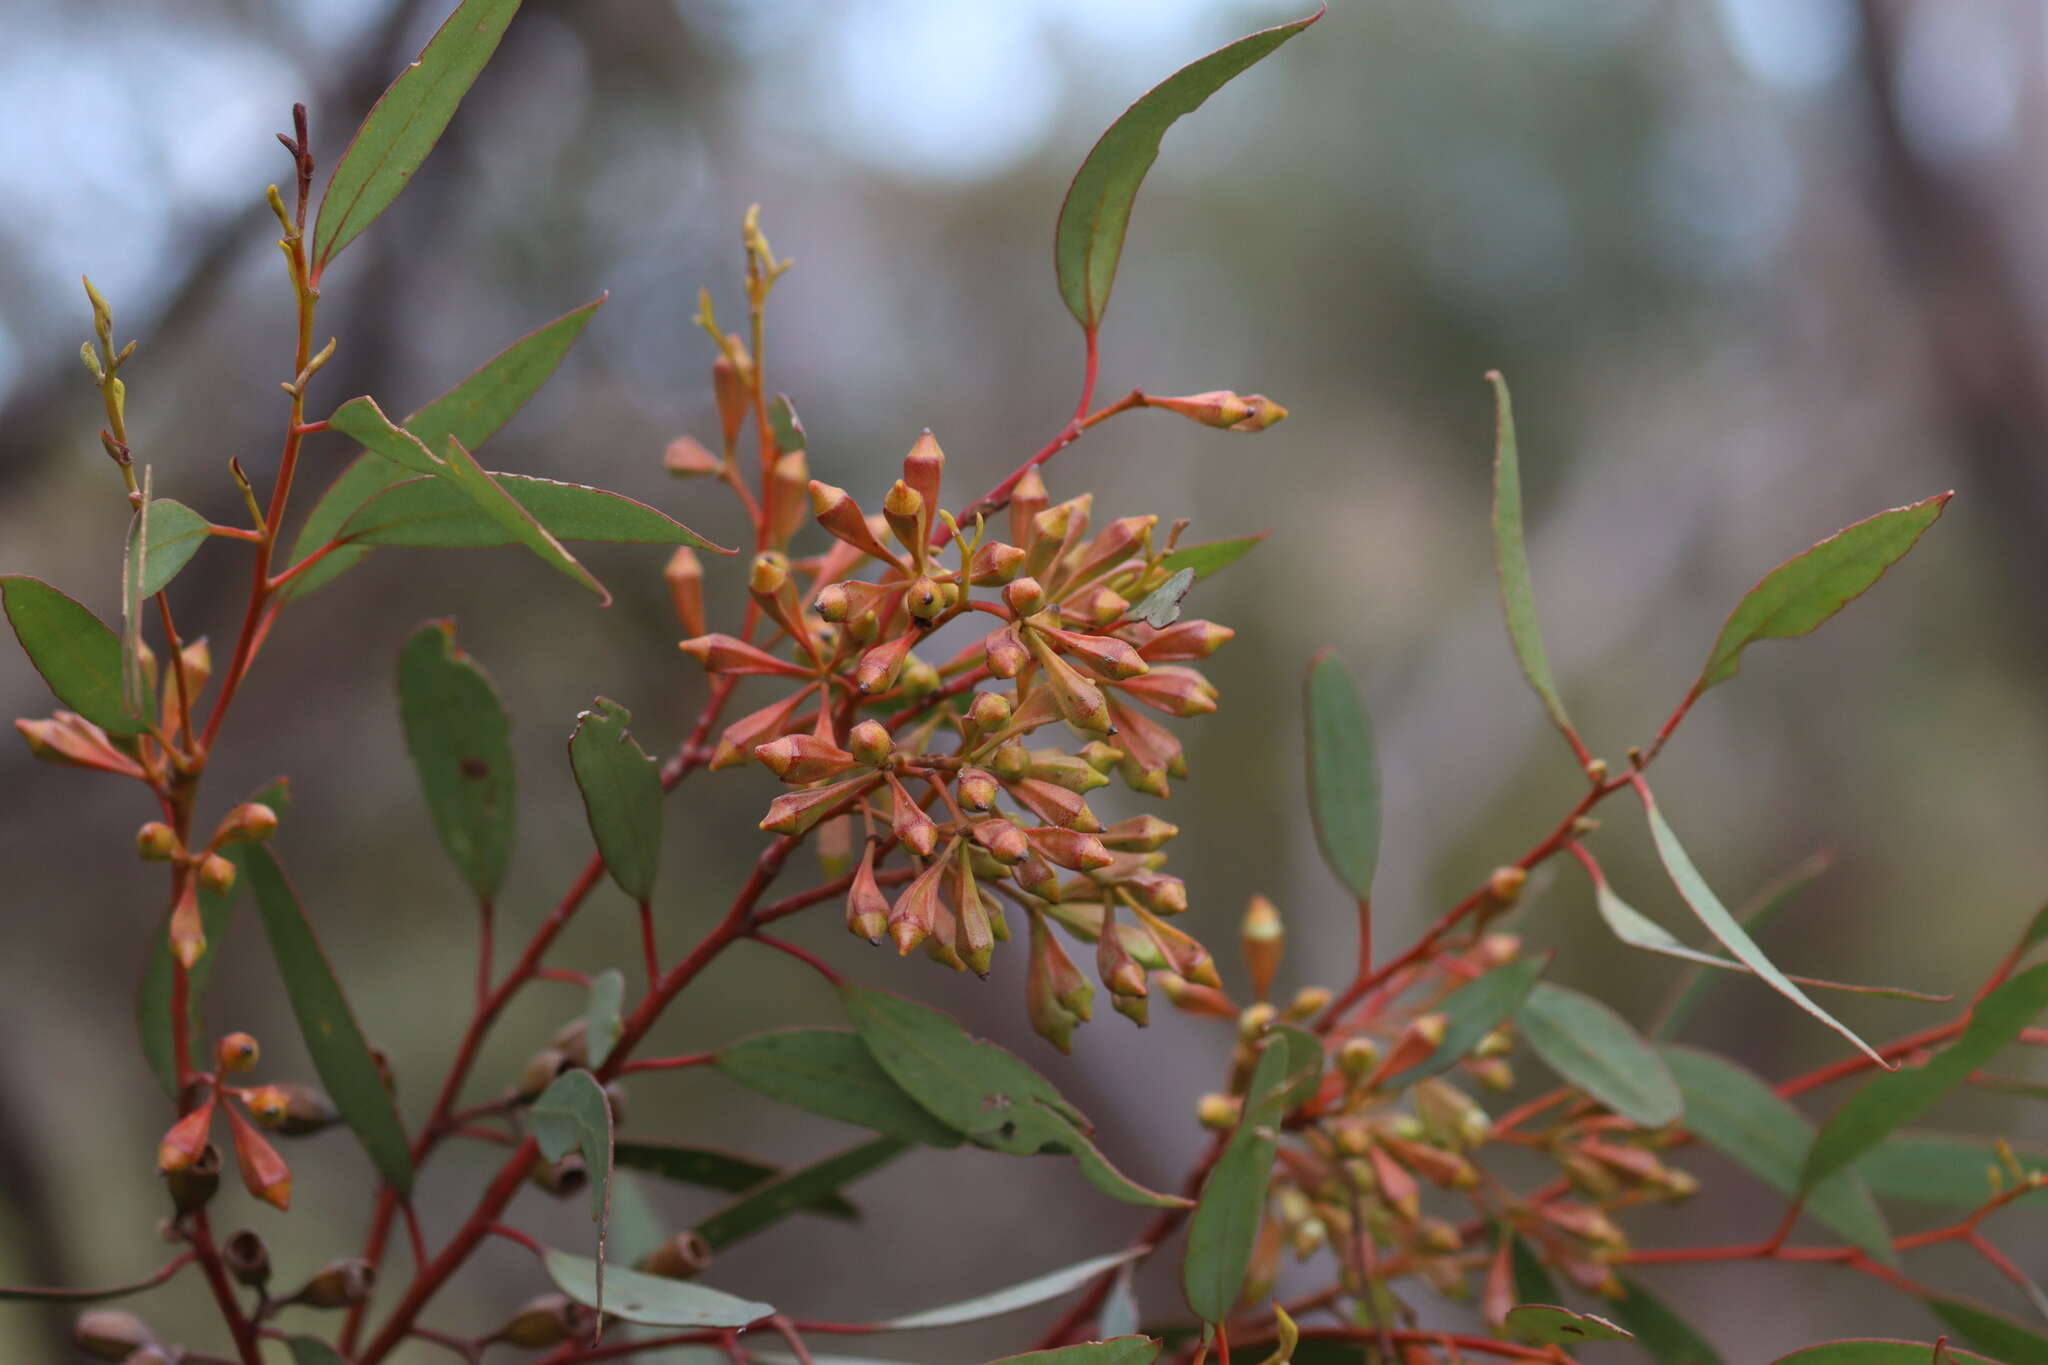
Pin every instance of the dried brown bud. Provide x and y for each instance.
(338, 1284)
(560, 1178)
(732, 384)
(682, 1257)
(1027, 500)
(193, 1186)
(246, 1258)
(548, 1320)
(110, 1334)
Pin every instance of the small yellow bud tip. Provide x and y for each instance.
(189, 951)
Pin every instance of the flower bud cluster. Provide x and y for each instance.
(947, 764)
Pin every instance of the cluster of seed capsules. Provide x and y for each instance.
(951, 768)
(1397, 1156)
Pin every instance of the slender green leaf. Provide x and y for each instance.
(472, 411)
(1757, 914)
(365, 422)
(1724, 926)
(604, 1014)
(795, 1191)
(650, 1300)
(460, 740)
(153, 995)
(1225, 1226)
(2012, 1342)
(1119, 1315)
(1939, 1169)
(1669, 1339)
(783, 422)
(1596, 1050)
(634, 1228)
(1304, 1064)
(1471, 1012)
(1115, 1350)
(2037, 929)
(1161, 608)
(982, 1090)
(1872, 1351)
(1343, 775)
(1097, 210)
(1511, 559)
(463, 470)
(434, 514)
(175, 534)
(1735, 1113)
(621, 786)
(830, 1072)
(362, 419)
(712, 1169)
(1803, 592)
(573, 1115)
(1545, 1324)
(340, 1055)
(1028, 1294)
(1210, 556)
(405, 123)
(1533, 1281)
(78, 656)
(1887, 1102)
(313, 1351)
(974, 1087)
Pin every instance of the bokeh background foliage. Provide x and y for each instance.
(1756, 267)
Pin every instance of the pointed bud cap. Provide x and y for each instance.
(686, 458)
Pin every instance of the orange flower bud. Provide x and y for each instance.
(1181, 641)
(1005, 650)
(975, 937)
(1064, 770)
(751, 731)
(923, 468)
(839, 514)
(293, 1110)
(727, 655)
(1054, 805)
(1217, 408)
(1139, 834)
(1004, 840)
(1069, 848)
(1175, 690)
(216, 874)
(1151, 751)
(976, 789)
(1098, 606)
(1189, 998)
(236, 1052)
(1397, 1188)
(686, 458)
(908, 518)
(252, 822)
(684, 575)
(923, 599)
(71, 739)
(1158, 891)
(1113, 544)
(733, 386)
(1080, 701)
(913, 827)
(156, 842)
(882, 665)
(786, 497)
(1119, 971)
(1057, 996)
(800, 759)
(187, 929)
(186, 1139)
(1025, 596)
(796, 812)
(1036, 876)
(1109, 656)
(264, 1173)
(867, 909)
(916, 912)
(1027, 500)
(994, 563)
(1185, 956)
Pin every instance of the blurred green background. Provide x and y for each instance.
(1756, 268)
